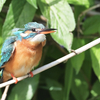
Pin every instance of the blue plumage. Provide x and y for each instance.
(18, 37)
(7, 49)
(7, 53)
(32, 25)
(8, 41)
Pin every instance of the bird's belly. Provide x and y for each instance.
(25, 65)
(22, 71)
(19, 67)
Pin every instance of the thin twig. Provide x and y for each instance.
(5, 92)
(83, 13)
(56, 62)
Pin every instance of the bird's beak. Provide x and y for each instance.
(47, 31)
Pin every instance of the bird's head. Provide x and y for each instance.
(35, 32)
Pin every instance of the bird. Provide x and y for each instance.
(21, 52)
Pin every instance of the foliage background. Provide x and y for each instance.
(76, 79)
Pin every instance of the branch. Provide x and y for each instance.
(56, 62)
(5, 93)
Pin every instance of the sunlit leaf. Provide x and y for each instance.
(86, 3)
(91, 25)
(60, 16)
(95, 55)
(17, 17)
(1, 4)
(25, 89)
(1, 40)
(77, 60)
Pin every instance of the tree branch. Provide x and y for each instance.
(56, 62)
(5, 93)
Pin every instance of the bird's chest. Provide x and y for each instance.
(25, 59)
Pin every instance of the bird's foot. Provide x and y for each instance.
(31, 74)
(14, 78)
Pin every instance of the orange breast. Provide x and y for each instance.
(25, 57)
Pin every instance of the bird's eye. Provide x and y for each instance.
(33, 29)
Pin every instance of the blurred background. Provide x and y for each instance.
(77, 23)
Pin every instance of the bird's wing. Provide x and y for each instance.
(7, 50)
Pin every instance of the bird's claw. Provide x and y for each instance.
(31, 74)
(14, 78)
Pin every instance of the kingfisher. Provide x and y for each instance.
(21, 52)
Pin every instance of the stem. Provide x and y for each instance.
(5, 92)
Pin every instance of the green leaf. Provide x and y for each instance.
(96, 91)
(18, 15)
(68, 80)
(1, 4)
(95, 55)
(86, 67)
(80, 87)
(33, 3)
(25, 89)
(60, 16)
(54, 53)
(91, 25)
(77, 60)
(86, 3)
(55, 89)
(78, 10)
(1, 24)
(1, 41)
(50, 73)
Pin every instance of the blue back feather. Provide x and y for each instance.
(7, 49)
(8, 41)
